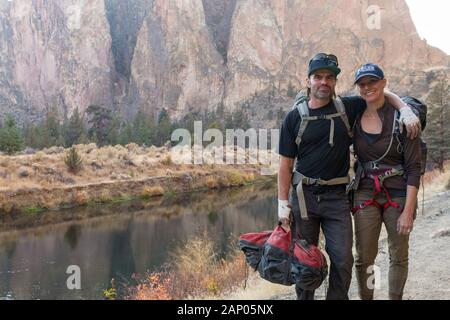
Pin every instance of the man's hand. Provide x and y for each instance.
(284, 211)
(411, 122)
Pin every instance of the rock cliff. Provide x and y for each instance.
(186, 55)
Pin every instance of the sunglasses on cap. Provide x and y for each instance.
(331, 58)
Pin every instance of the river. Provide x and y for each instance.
(37, 251)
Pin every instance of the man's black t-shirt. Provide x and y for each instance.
(315, 157)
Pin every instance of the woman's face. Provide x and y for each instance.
(371, 88)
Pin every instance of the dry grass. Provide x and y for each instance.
(435, 182)
(235, 178)
(152, 191)
(44, 171)
(196, 272)
(105, 196)
(212, 182)
(81, 198)
(167, 160)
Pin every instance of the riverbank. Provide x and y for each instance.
(32, 183)
(124, 240)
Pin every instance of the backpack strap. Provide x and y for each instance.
(396, 132)
(301, 105)
(302, 108)
(340, 107)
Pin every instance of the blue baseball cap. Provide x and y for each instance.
(369, 69)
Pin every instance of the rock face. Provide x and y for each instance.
(125, 18)
(176, 65)
(274, 46)
(55, 53)
(218, 15)
(186, 55)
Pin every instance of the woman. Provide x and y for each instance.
(387, 182)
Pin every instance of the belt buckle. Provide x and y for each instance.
(374, 166)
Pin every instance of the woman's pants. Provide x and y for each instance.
(367, 232)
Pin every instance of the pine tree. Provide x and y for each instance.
(144, 128)
(31, 139)
(164, 128)
(74, 129)
(290, 90)
(112, 131)
(99, 119)
(53, 128)
(11, 140)
(280, 114)
(220, 111)
(437, 132)
(126, 133)
(240, 119)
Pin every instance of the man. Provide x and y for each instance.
(321, 171)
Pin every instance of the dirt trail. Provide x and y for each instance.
(429, 260)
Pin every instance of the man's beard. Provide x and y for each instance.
(318, 94)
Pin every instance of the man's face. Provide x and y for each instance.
(322, 83)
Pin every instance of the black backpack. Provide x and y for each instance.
(420, 110)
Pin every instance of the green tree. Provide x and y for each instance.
(164, 129)
(280, 114)
(30, 136)
(220, 110)
(240, 119)
(74, 130)
(53, 129)
(291, 90)
(112, 131)
(144, 128)
(11, 140)
(99, 119)
(437, 132)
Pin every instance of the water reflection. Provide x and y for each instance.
(115, 241)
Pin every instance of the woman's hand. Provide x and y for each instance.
(405, 222)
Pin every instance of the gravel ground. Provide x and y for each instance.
(429, 257)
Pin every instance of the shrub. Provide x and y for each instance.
(167, 160)
(196, 271)
(73, 161)
(81, 198)
(212, 183)
(235, 178)
(153, 191)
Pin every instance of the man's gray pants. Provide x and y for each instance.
(330, 211)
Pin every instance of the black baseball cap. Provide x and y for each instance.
(324, 61)
(369, 69)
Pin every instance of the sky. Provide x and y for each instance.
(432, 21)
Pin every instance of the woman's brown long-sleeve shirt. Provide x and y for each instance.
(367, 150)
